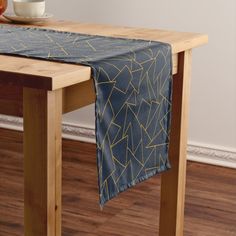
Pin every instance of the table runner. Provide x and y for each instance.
(133, 83)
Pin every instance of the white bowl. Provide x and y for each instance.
(29, 8)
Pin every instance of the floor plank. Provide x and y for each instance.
(210, 200)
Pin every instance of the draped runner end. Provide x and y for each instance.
(133, 83)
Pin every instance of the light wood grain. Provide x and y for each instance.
(45, 74)
(42, 122)
(42, 162)
(50, 75)
(77, 96)
(41, 74)
(74, 96)
(173, 182)
(180, 41)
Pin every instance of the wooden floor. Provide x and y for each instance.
(210, 203)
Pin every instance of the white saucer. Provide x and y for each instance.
(20, 19)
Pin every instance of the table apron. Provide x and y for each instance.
(74, 96)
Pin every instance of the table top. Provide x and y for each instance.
(53, 75)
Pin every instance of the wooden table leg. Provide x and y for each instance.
(173, 181)
(42, 162)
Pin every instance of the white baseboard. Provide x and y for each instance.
(69, 130)
(196, 152)
(210, 154)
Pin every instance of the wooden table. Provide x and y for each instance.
(41, 91)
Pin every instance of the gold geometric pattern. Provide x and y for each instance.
(133, 82)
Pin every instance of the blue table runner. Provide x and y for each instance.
(133, 83)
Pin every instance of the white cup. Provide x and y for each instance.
(29, 8)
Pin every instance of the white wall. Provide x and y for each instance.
(213, 90)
